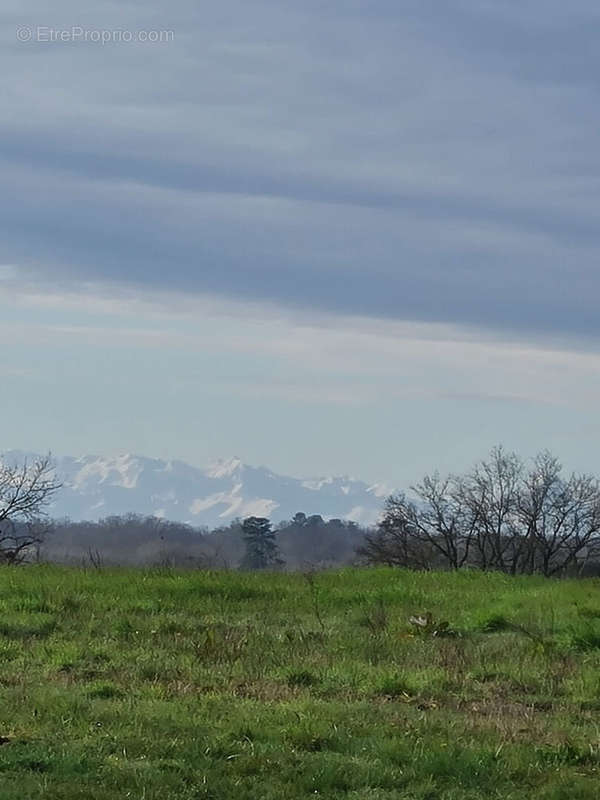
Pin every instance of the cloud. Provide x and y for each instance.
(413, 162)
(305, 358)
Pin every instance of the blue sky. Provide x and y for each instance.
(328, 237)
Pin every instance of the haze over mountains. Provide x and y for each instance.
(100, 486)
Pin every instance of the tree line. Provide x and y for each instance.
(304, 542)
(27, 533)
(502, 515)
(505, 514)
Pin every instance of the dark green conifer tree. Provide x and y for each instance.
(262, 551)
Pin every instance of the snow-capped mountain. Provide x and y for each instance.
(97, 486)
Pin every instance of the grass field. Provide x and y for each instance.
(163, 684)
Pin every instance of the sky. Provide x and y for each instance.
(328, 237)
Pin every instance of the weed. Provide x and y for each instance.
(301, 677)
(315, 599)
(104, 691)
(586, 638)
(376, 618)
(494, 623)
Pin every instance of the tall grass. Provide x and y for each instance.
(167, 684)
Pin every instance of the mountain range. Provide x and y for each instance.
(99, 486)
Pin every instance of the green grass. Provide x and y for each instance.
(164, 684)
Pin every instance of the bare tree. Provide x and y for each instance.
(534, 520)
(433, 530)
(499, 516)
(394, 543)
(442, 520)
(490, 495)
(560, 517)
(25, 491)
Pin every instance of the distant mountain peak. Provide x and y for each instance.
(96, 486)
(224, 467)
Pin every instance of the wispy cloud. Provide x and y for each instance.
(347, 360)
